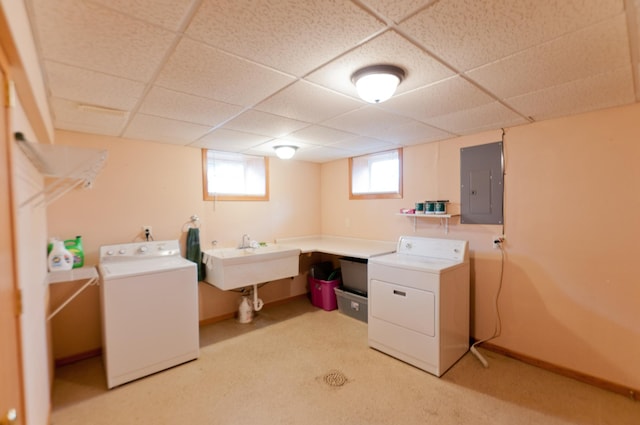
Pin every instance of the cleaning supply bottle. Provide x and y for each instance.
(74, 246)
(59, 258)
(245, 310)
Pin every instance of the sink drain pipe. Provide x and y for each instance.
(257, 302)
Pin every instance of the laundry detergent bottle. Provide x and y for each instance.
(59, 258)
(74, 246)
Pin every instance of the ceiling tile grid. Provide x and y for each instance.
(89, 87)
(445, 97)
(389, 48)
(398, 10)
(168, 14)
(202, 70)
(290, 35)
(484, 117)
(559, 61)
(69, 116)
(86, 35)
(258, 122)
(158, 129)
(230, 140)
(597, 92)
(308, 102)
(470, 33)
(244, 75)
(185, 107)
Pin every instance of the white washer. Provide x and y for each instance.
(419, 302)
(149, 300)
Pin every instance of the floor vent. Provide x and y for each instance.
(335, 378)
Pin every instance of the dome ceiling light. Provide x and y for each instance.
(285, 151)
(377, 83)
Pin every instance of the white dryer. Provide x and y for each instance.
(419, 302)
(149, 300)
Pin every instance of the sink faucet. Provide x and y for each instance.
(246, 241)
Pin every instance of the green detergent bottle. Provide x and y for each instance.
(74, 246)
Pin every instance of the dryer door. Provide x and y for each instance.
(410, 308)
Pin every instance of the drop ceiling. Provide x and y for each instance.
(246, 75)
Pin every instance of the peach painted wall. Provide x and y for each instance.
(160, 185)
(570, 290)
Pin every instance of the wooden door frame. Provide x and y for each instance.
(11, 369)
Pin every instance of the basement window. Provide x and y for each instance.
(376, 175)
(231, 176)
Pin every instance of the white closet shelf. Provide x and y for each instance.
(444, 219)
(66, 166)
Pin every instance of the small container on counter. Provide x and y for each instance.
(429, 207)
(441, 207)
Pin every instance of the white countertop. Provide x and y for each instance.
(336, 245)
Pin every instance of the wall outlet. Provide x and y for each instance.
(498, 241)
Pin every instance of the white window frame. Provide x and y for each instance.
(363, 175)
(230, 176)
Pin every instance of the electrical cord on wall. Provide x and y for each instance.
(497, 330)
(498, 325)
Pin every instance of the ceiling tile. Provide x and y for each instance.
(307, 102)
(484, 117)
(600, 91)
(267, 148)
(578, 55)
(168, 13)
(257, 122)
(67, 116)
(441, 98)
(320, 135)
(185, 107)
(397, 10)
(470, 33)
(158, 129)
(229, 140)
(413, 133)
(388, 48)
(91, 87)
(321, 154)
(289, 35)
(368, 121)
(239, 74)
(363, 145)
(201, 70)
(87, 35)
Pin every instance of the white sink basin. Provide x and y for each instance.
(231, 268)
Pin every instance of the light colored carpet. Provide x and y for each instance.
(272, 372)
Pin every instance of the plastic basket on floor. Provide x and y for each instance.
(323, 293)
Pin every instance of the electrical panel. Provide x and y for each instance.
(481, 184)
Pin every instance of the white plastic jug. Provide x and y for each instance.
(245, 310)
(59, 258)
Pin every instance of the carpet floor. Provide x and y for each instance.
(296, 364)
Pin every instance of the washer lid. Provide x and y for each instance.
(117, 269)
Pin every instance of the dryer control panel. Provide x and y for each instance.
(444, 249)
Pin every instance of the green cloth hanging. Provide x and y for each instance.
(193, 251)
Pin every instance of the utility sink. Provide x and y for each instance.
(232, 268)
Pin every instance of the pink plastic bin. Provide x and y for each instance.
(323, 294)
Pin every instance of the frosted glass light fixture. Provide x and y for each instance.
(285, 151)
(377, 83)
